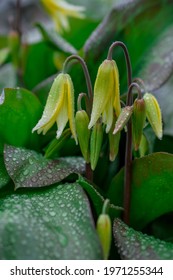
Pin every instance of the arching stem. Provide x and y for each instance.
(88, 170)
(128, 152)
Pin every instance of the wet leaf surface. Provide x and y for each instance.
(4, 177)
(152, 190)
(134, 245)
(54, 223)
(29, 169)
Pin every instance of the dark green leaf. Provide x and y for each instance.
(152, 190)
(19, 111)
(4, 177)
(134, 245)
(114, 22)
(29, 169)
(53, 223)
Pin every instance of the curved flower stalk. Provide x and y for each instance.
(106, 95)
(60, 10)
(59, 107)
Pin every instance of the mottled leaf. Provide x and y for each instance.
(152, 190)
(158, 61)
(19, 112)
(134, 245)
(52, 223)
(115, 21)
(29, 169)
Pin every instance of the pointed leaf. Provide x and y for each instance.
(53, 223)
(4, 177)
(134, 245)
(152, 190)
(29, 169)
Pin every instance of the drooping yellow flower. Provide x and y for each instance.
(106, 94)
(59, 107)
(60, 10)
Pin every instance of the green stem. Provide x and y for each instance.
(88, 170)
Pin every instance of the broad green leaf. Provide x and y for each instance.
(158, 61)
(120, 15)
(4, 177)
(134, 245)
(152, 190)
(38, 64)
(19, 112)
(29, 169)
(52, 223)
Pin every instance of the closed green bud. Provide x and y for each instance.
(104, 233)
(95, 144)
(153, 113)
(83, 133)
(144, 146)
(113, 143)
(138, 121)
(123, 118)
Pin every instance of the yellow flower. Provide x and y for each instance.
(59, 107)
(60, 10)
(106, 94)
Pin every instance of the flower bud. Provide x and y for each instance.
(104, 233)
(113, 143)
(106, 94)
(123, 118)
(153, 113)
(95, 144)
(138, 121)
(144, 146)
(83, 133)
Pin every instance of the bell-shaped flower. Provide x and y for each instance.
(60, 10)
(106, 94)
(59, 107)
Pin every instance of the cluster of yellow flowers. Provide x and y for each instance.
(106, 114)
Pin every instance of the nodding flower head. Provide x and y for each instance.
(106, 94)
(59, 107)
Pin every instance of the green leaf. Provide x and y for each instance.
(53, 223)
(29, 169)
(134, 245)
(152, 190)
(98, 199)
(4, 177)
(19, 111)
(38, 64)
